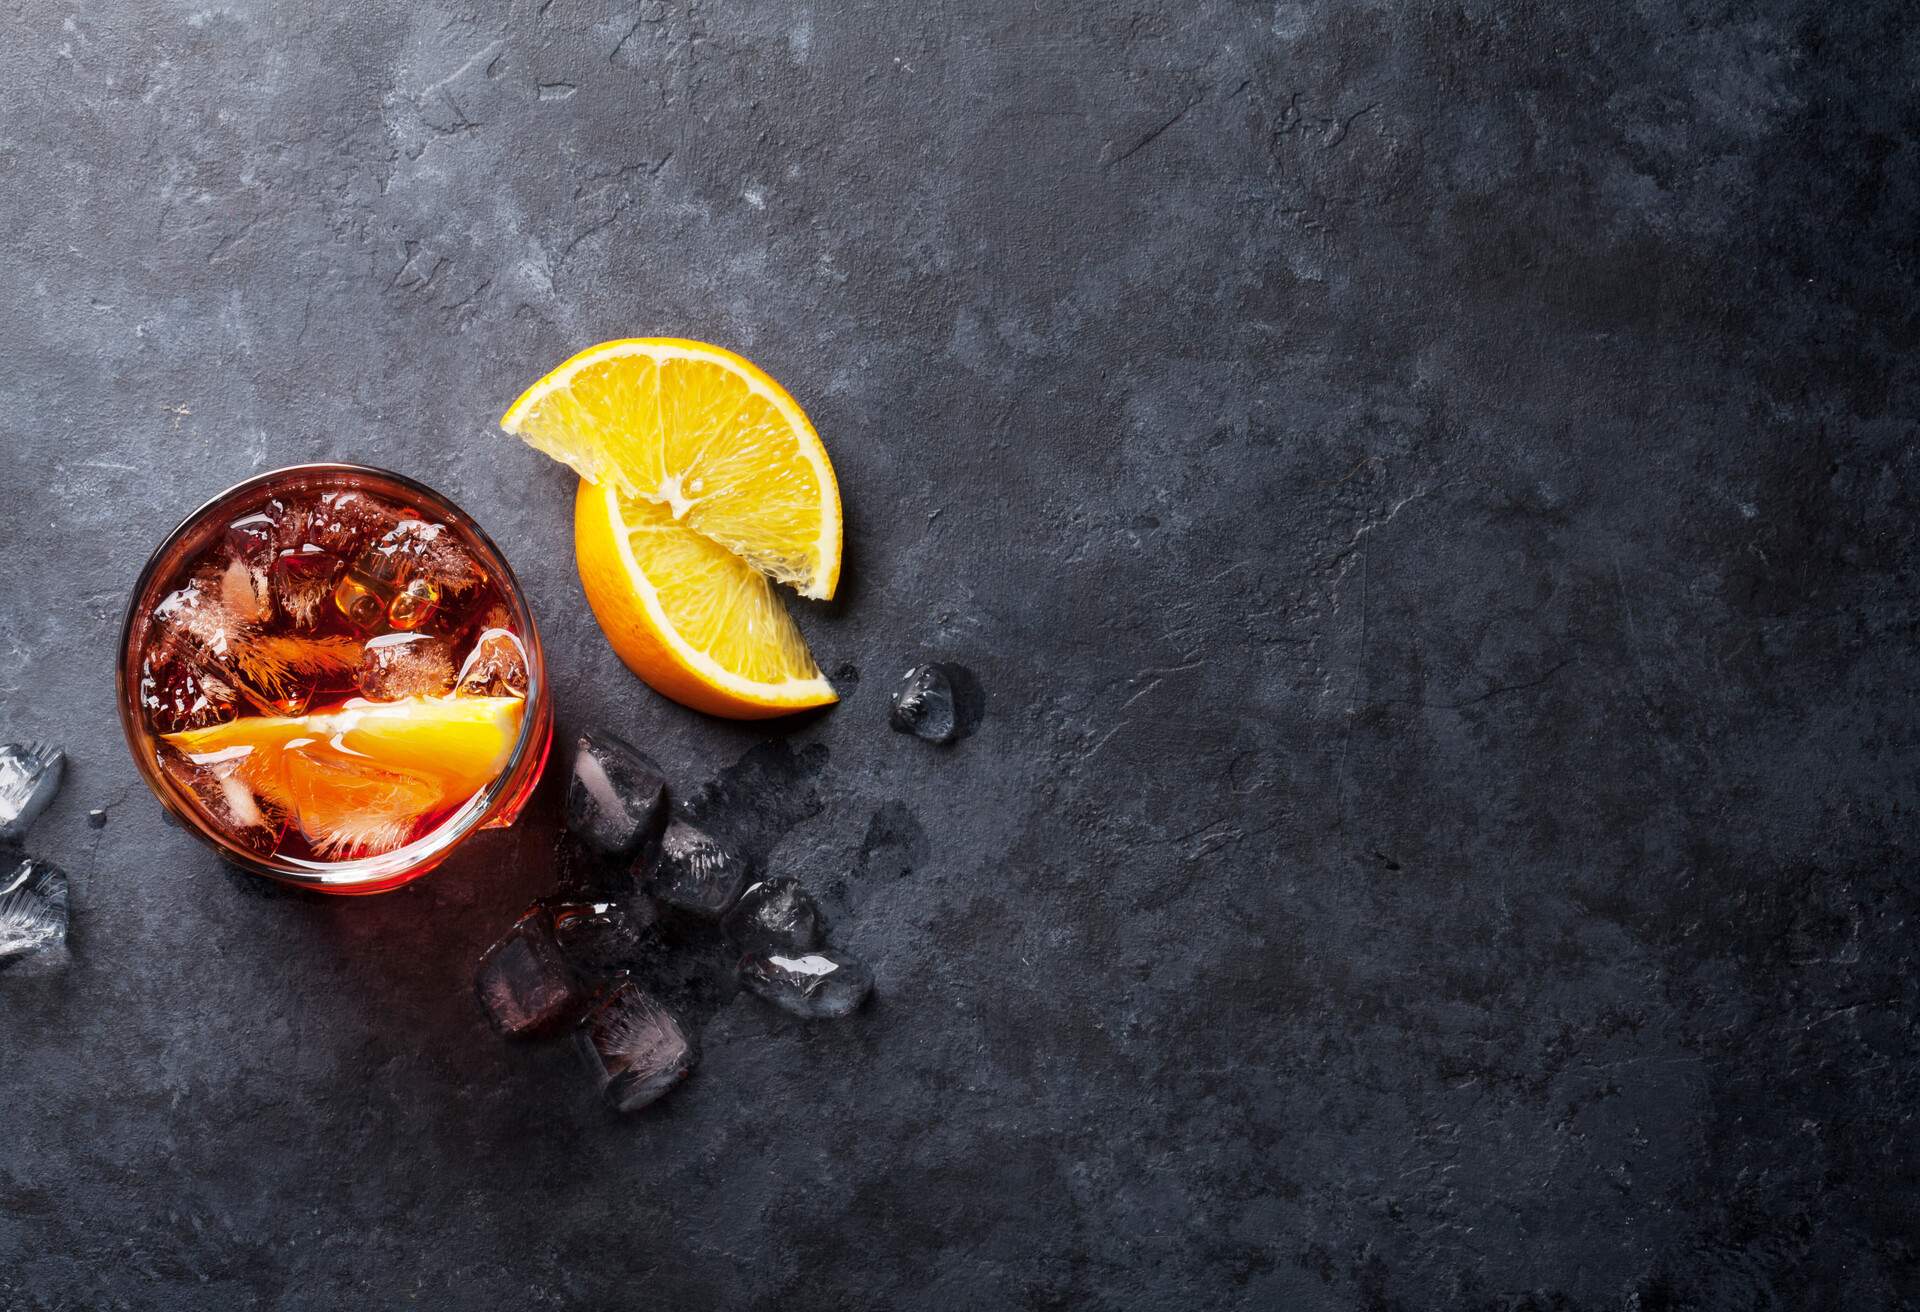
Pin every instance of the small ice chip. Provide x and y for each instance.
(33, 915)
(939, 703)
(776, 915)
(525, 982)
(692, 872)
(617, 796)
(635, 1048)
(29, 777)
(823, 985)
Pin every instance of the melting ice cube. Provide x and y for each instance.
(635, 1048)
(821, 985)
(692, 872)
(29, 777)
(245, 591)
(33, 915)
(194, 617)
(525, 983)
(396, 665)
(205, 650)
(940, 703)
(339, 523)
(776, 915)
(252, 537)
(600, 937)
(616, 798)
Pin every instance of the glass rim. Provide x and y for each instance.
(384, 870)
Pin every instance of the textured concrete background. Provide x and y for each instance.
(1429, 491)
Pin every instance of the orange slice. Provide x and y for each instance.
(705, 485)
(686, 614)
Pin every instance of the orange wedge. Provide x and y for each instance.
(705, 485)
(687, 615)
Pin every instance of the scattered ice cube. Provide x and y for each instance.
(30, 775)
(396, 665)
(690, 871)
(635, 1048)
(776, 915)
(496, 667)
(822, 985)
(938, 702)
(33, 914)
(223, 796)
(524, 981)
(617, 796)
(600, 937)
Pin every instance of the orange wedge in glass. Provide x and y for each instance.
(358, 778)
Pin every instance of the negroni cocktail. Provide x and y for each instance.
(328, 668)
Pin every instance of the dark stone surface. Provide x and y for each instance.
(1428, 491)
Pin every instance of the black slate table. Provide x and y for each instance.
(1429, 493)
